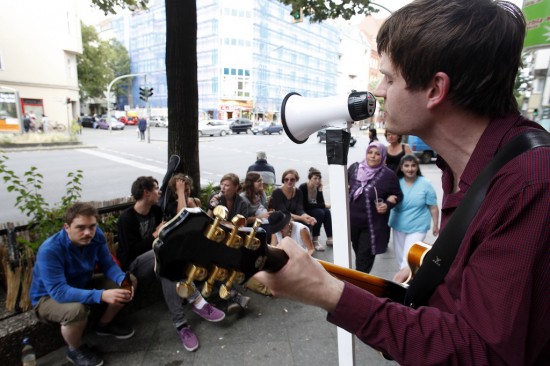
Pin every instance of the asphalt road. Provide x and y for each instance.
(111, 161)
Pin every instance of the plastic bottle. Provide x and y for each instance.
(28, 357)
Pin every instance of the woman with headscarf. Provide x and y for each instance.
(373, 191)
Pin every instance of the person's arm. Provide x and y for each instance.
(434, 211)
(130, 242)
(299, 214)
(408, 150)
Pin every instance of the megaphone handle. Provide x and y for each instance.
(337, 146)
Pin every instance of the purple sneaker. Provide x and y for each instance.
(210, 313)
(188, 338)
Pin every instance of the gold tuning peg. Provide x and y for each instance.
(193, 273)
(216, 274)
(234, 240)
(251, 242)
(213, 231)
(234, 278)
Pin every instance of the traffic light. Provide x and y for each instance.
(145, 93)
(297, 15)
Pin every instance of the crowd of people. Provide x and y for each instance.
(491, 307)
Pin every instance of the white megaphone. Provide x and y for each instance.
(303, 116)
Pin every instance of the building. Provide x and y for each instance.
(250, 54)
(39, 43)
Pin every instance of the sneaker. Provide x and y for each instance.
(188, 338)
(210, 313)
(318, 246)
(330, 242)
(83, 356)
(237, 303)
(114, 329)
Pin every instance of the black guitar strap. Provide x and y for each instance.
(438, 260)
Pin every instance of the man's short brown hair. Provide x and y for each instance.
(79, 209)
(477, 43)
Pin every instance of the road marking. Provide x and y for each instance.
(119, 160)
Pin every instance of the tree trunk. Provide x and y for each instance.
(183, 94)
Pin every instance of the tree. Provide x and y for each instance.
(183, 92)
(319, 10)
(181, 65)
(100, 62)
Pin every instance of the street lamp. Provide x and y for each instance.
(109, 95)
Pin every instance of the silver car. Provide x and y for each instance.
(214, 127)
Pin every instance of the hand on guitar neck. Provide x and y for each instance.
(194, 247)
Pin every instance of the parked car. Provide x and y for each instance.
(132, 121)
(421, 149)
(545, 122)
(240, 125)
(267, 128)
(214, 127)
(115, 124)
(322, 136)
(158, 121)
(87, 121)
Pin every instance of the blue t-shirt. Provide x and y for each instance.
(412, 215)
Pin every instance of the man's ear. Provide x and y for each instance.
(438, 89)
(66, 227)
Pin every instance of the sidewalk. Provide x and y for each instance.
(270, 332)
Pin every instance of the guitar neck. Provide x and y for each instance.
(277, 258)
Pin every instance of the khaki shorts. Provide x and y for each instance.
(50, 311)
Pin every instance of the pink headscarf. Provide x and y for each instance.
(364, 172)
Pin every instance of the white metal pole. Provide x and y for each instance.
(109, 95)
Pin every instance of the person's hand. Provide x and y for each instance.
(392, 199)
(116, 296)
(134, 283)
(435, 231)
(310, 220)
(215, 200)
(381, 208)
(303, 279)
(157, 230)
(180, 187)
(403, 275)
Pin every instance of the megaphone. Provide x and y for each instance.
(303, 116)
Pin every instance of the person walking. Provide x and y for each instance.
(410, 219)
(374, 190)
(142, 126)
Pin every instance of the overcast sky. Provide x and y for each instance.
(91, 16)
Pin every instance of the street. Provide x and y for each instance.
(111, 161)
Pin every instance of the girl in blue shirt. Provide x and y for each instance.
(410, 219)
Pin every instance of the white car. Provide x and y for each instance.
(158, 121)
(214, 127)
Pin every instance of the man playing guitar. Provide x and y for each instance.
(449, 68)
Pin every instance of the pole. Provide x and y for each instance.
(109, 95)
(337, 147)
(147, 111)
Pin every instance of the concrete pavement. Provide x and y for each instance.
(271, 331)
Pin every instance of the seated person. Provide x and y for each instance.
(180, 186)
(282, 226)
(314, 205)
(230, 198)
(138, 227)
(253, 194)
(288, 198)
(266, 170)
(64, 288)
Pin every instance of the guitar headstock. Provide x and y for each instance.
(195, 247)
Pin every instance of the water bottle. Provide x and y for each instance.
(28, 357)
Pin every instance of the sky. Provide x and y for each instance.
(91, 16)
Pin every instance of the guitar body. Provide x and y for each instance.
(193, 239)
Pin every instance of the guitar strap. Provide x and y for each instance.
(438, 260)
